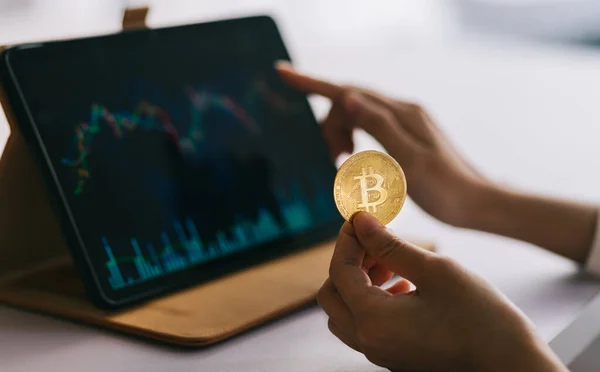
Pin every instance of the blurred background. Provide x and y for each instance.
(373, 21)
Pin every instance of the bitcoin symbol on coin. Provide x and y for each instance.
(370, 181)
(366, 204)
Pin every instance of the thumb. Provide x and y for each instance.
(399, 256)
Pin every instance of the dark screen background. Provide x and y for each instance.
(177, 147)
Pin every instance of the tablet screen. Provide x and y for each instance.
(178, 150)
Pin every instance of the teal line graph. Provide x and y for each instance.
(147, 116)
(151, 116)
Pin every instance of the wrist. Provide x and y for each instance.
(480, 206)
(491, 204)
(564, 227)
(495, 209)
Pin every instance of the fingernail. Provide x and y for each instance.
(353, 102)
(282, 64)
(366, 222)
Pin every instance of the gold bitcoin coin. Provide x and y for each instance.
(370, 181)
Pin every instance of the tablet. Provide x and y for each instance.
(172, 156)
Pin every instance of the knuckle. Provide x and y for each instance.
(321, 295)
(448, 262)
(373, 358)
(416, 108)
(348, 87)
(389, 248)
(347, 90)
(370, 234)
(368, 324)
(332, 271)
(365, 332)
(373, 355)
(331, 326)
(363, 312)
(368, 340)
(384, 117)
(440, 264)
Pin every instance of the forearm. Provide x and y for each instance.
(563, 227)
(533, 356)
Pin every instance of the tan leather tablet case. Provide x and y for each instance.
(36, 271)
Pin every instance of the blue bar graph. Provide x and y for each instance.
(182, 246)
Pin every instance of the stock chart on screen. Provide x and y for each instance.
(149, 116)
(186, 184)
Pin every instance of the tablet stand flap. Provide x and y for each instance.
(134, 18)
(198, 316)
(29, 230)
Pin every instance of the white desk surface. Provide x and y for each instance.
(526, 115)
